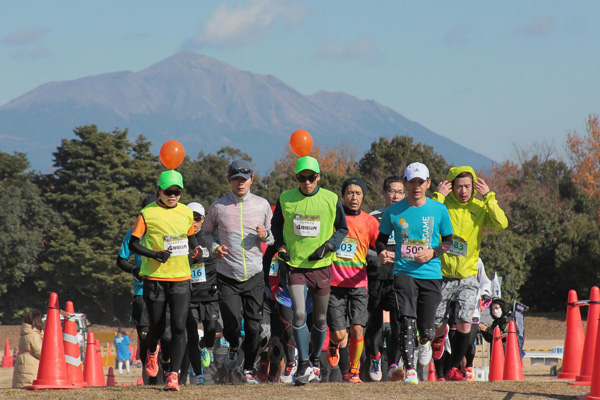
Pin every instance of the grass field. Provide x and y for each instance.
(542, 332)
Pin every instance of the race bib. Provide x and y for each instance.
(307, 225)
(177, 245)
(459, 246)
(347, 248)
(274, 269)
(198, 273)
(410, 247)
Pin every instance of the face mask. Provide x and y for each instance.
(496, 313)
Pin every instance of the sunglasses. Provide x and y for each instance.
(310, 178)
(198, 218)
(176, 192)
(240, 171)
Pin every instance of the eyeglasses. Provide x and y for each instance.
(393, 192)
(310, 178)
(176, 192)
(239, 171)
(198, 218)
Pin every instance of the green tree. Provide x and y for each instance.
(390, 156)
(25, 220)
(97, 187)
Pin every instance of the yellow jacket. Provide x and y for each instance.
(468, 220)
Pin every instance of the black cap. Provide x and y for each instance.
(354, 181)
(239, 168)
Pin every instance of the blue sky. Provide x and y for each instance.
(489, 75)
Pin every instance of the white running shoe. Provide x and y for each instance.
(425, 353)
(375, 369)
(411, 377)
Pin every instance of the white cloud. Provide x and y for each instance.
(361, 48)
(25, 36)
(247, 23)
(537, 27)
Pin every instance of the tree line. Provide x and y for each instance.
(62, 230)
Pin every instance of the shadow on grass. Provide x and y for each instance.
(510, 395)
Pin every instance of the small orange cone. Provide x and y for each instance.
(594, 393)
(110, 378)
(52, 371)
(571, 364)
(431, 377)
(513, 365)
(589, 346)
(71, 343)
(125, 384)
(140, 381)
(7, 360)
(93, 375)
(497, 358)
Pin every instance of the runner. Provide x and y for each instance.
(308, 224)
(348, 299)
(469, 217)
(417, 222)
(204, 303)
(382, 295)
(168, 231)
(235, 226)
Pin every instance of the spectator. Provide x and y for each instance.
(30, 349)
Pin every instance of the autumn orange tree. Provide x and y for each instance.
(585, 154)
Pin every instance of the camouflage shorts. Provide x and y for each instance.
(460, 296)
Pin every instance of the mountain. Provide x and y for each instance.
(205, 104)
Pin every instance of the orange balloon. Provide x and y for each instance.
(301, 142)
(172, 154)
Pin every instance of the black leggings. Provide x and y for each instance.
(193, 351)
(374, 337)
(157, 295)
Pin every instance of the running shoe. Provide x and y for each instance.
(395, 373)
(172, 382)
(425, 353)
(304, 373)
(151, 366)
(346, 378)
(315, 362)
(470, 374)
(263, 370)
(231, 359)
(248, 377)
(454, 375)
(391, 370)
(355, 376)
(441, 379)
(333, 355)
(411, 377)
(205, 357)
(288, 372)
(375, 369)
(437, 345)
(271, 379)
(200, 380)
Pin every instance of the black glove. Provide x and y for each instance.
(135, 271)
(267, 292)
(284, 256)
(197, 255)
(319, 253)
(162, 256)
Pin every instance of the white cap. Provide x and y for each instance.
(197, 208)
(416, 170)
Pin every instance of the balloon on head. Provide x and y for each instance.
(172, 154)
(301, 142)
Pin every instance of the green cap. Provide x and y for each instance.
(308, 163)
(170, 178)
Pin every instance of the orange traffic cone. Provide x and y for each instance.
(91, 373)
(497, 358)
(125, 384)
(589, 346)
(594, 393)
(110, 378)
(71, 343)
(513, 366)
(571, 364)
(99, 360)
(52, 371)
(432, 377)
(140, 381)
(7, 360)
